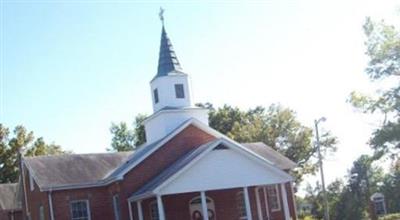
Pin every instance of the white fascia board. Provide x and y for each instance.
(256, 157)
(141, 197)
(156, 114)
(32, 174)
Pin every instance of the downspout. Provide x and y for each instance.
(12, 214)
(50, 205)
(293, 201)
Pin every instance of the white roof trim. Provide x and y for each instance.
(179, 110)
(233, 146)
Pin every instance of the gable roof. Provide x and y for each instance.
(9, 196)
(192, 157)
(49, 172)
(73, 169)
(270, 154)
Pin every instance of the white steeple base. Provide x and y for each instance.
(165, 121)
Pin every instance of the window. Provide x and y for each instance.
(41, 213)
(154, 211)
(31, 183)
(241, 206)
(117, 209)
(380, 207)
(179, 92)
(155, 92)
(273, 197)
(80, 210)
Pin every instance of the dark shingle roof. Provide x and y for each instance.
(73, 169)
(167, 62)
(9, 196)
(271, 155)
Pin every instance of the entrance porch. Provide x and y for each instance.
(220, 178)
(270, 202)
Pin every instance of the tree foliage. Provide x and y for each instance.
(125, 138)
(350, 200)
(383, 50)
(21, 143)
(276, 126)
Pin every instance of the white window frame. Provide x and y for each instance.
(117, 207)
(243, 202)
(151, 205)
(31, 182)
(41, 212)
(87, 208)
(278, 200)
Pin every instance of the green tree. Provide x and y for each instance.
(364, 178)
(22, 143)
(314, 197)
(125, 138)
(383, 50)
(276, 126)
(390, 188)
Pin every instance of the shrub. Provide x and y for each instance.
(395, 216)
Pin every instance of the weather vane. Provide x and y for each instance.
(161, 14)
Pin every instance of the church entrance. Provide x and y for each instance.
(196, 212)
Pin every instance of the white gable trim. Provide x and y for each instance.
(192, 121)
(232, 146)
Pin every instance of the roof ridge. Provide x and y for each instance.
(78, 154)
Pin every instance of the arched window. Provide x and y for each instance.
(196, 211)
(154, 211)
(241, 206)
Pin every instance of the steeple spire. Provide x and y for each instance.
(167, 61)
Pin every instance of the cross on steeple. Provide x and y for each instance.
(161, 15)
(168, 62)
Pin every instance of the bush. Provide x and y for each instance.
(395, 216)
(307, 217)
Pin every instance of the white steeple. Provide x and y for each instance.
(170, 91)
(170, 87)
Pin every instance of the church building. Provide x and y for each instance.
(186, 170)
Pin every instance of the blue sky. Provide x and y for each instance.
(70, 68)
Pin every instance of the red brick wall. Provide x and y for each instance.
(6, 215)
(35, 199)
(100, 202)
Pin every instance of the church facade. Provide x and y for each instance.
(185, 171)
